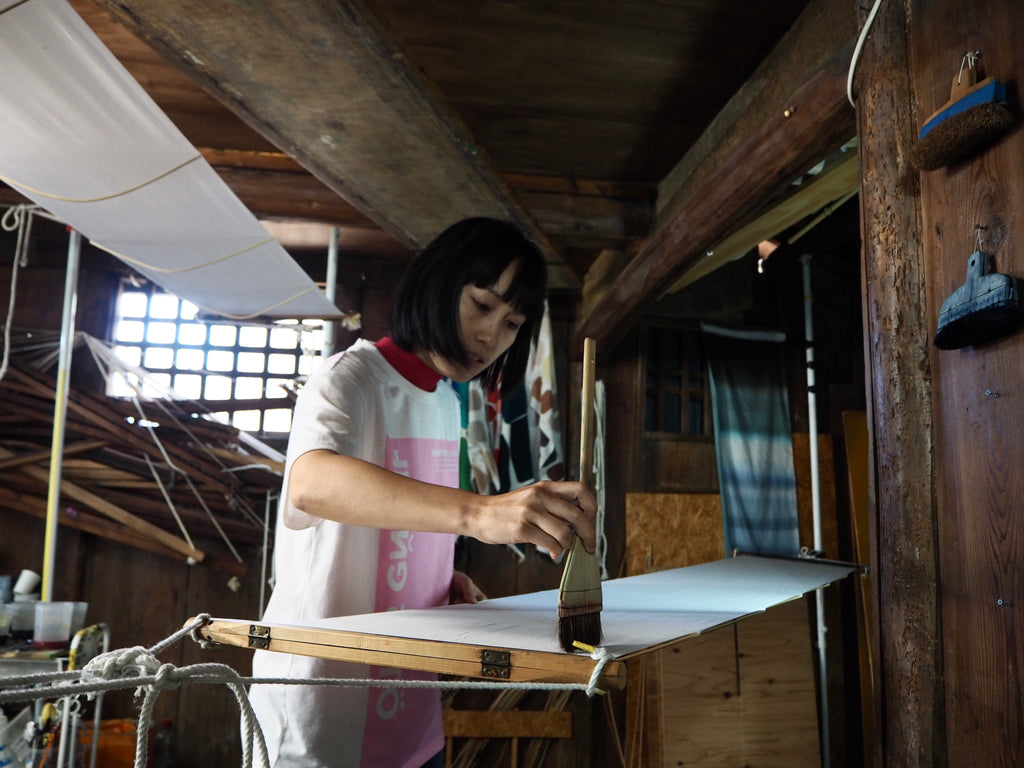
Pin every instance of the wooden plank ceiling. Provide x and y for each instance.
(594, 124)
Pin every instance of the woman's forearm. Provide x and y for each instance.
(347, 490)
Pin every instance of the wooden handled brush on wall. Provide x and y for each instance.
(579, 594)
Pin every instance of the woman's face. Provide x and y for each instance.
(487, 327)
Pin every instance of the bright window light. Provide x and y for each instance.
(158, 357)
(277, 420)
(191, 333)
(189, 360)
(220, 360)
(133, 304)
(277, 363)
(218, 388)
(163, 305)
(161, 333)
(189, 385)
(284, 338)
(223, 335)
(247, 388)
(277, 388)
(251, 362)
(130, 330)
(247, 420)
(251, 336)
(212, 361)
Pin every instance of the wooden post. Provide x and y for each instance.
(909, 716)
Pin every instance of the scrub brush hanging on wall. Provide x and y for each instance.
(985, 308)
(975, 115)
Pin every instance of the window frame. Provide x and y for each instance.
(688, 381)
(270, 397)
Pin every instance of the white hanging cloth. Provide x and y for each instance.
(83, 140)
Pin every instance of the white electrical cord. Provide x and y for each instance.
(856, 51)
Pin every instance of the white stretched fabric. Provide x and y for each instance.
(640, 612)
(84, 141)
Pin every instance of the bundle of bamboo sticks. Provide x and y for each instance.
(164, 480)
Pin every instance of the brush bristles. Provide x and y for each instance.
(979, 328)
(579, 627)
(579, 599)
(960, 135)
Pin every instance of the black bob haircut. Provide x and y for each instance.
(425, 307)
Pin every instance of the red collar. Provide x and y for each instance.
(409, 365)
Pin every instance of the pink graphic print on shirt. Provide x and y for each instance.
(413, 571)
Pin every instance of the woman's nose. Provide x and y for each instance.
(487, 331)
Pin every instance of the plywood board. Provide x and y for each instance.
(672, 530)
(827, 491)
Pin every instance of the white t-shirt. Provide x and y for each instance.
(358, 405)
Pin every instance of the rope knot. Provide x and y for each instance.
(125, 662)
(166, 678)
(601, 655)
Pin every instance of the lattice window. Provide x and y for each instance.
(239, 371)
(677, 396)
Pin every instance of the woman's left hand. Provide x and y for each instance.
(463, 590)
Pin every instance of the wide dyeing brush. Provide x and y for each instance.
(579, 594)
(975, 115)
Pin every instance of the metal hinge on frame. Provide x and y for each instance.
(259, 637)
(495, 664)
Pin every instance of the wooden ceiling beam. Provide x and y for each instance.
(820, 195)
(819, 120)
(285, 195)
(327, 83)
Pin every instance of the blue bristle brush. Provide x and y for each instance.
(975, 115)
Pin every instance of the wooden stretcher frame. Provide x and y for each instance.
(707, 596)
(459, 659)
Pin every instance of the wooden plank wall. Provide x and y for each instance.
(976, 395)
(946, 426)
(743, 695)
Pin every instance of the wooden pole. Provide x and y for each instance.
(909, 716)
(60, 411)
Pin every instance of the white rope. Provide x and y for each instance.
(140, 668)
(602, 657)
(106, 360)
(18, 217)
(166, 495)
(599, 475)
(100, 198)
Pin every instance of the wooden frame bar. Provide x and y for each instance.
(641, 614)
(464, 660)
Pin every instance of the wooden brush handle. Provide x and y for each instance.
(587, 413)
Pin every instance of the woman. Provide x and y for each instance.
(372, 505)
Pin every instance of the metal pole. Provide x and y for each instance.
(60, 409)
(330, 290)
(812, 418)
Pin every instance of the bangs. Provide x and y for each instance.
(526, 291)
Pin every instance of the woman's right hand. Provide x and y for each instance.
(546, 514)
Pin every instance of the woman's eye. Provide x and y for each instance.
(481, 306)
(513, 325)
